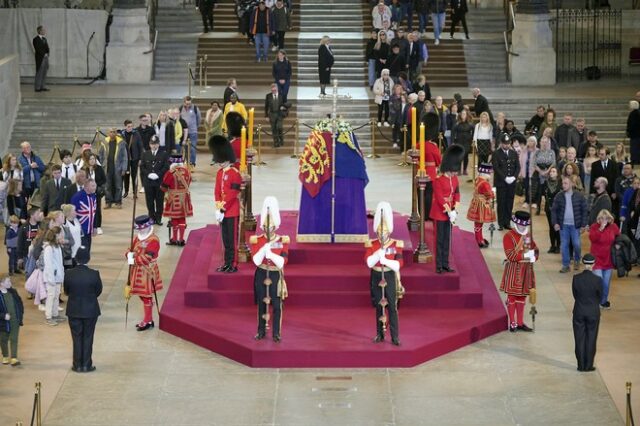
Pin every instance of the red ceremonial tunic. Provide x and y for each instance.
(177, 202)
(279, 246)
(601, 242)
(392, 250)
(144, 272)
(446, 194)
(481, 209)
(432, 159)
(518, 278)
(227, 190)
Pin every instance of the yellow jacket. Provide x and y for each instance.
(239, 108)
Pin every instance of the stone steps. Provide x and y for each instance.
(178, 31)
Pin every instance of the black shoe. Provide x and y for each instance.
(44, 89)
(76, 369)
(181, 243)
(448, 269)
(395, 342)
(88, 369)
(159, 223)
(231, 270)
(276, 339)
(467, 36)
(500, 228)
(525, 327)
(259, 336)
(206, 30)
(513, 328)
(126, 194)
(144, 327)
(551, 250)
(379, 338)
(438, 270)
(223, 268)
(172, 243)
(587, 370)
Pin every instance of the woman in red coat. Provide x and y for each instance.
(602, 235)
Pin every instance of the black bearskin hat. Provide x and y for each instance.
(234, 122)
(452, 159)
(222, 150)
(431, 122)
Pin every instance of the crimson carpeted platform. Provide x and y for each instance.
(328, 319)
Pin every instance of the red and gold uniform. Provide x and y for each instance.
(481, 208)
(177, 202)
(385, 284)
(269, 282)
(446, 196)
(227, 192)
(145, 276)
(518, 279)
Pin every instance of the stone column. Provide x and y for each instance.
(532, 41)
(129, 39)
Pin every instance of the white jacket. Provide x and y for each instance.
(378, 89)
(53, 266)
(76, 232)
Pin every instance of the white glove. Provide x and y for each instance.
(382, 257)
(510, 180)
(531, 255)
(219, 216)
(153, 176)
(7, 317)
(452, 216)
(130, 259)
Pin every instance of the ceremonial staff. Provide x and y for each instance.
(267, 281)
(383, 283)
(127, 289)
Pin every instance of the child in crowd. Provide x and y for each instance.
(11, 241)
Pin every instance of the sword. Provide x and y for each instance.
(492, 225)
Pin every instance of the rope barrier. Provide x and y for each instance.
(284, 132)
(382, 134)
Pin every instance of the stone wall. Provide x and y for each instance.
(10, 99)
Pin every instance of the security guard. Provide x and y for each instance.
(506, 168)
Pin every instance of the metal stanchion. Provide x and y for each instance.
(206, 71)
(473, 163)
(295, 141)
(249, 219)
(373, 140)
(404, 162)
(422, 254)
(200, 67)
(189, 76)
(259, 161)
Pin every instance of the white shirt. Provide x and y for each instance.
(482, 132)
(160, 132)
(69, 172)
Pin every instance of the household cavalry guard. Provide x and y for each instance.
(446, 198)
(481, 208)
(227, 201)
(519, 279)
(384, 258)
(433, 158)
(177, 201)
(145, 277)
(269, 252)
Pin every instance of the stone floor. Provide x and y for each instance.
(153, 378)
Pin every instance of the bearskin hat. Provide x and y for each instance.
(431, 122)
(222, 150)
(234, 122)
(452, 159)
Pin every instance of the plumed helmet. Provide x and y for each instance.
(431, 122)
(383, 213)
(234, 122)
(270, 208)
(452, 159)
(222, 150)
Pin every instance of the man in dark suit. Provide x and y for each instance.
(83, 286)
(153, 165)
(604, 167)
(506, 168)
(206, 10)
(481, 104)
(231, 89)
(274, 109)
(587, 290)
(41, 48)
(80, 178)
(54, 190)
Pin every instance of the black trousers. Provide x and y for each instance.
(207, 18)
(389, 292)
(86, 241)
(484, 150)
(443, 243)
(155, 202)
(131, 180)
(504, 198)
(383, 107)
(585, 334)
(279, 40)
(82, 330)
(260, 292)
(276, 129)
(428, 199)
(229, 232)
(457, 18)
(554, 236)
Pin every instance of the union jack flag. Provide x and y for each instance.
(86, 206)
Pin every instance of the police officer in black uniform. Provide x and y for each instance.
(506, 168)
(587, 291)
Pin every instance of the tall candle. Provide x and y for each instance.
(422, 153)
(243, 149)
(413, 127)
(250, 142)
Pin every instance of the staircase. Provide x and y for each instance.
(178, 31)
(331, 16)
(484, 53)
(52, 123)
(446, 66)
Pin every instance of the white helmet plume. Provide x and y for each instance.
(271, 204)
(383, 208)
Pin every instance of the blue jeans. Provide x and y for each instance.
(193, 148)
(283, 89)
(406, 10)
(424, 21)
(262, 41)
(605, 274)
(372, 72)
(438, 24)
(569, 233)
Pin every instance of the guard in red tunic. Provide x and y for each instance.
(235, 122)
(481, 208)
(145, 276)
(433, 159)
(227, 200)
(270, 253)
(446, 198)
(177, 201)
(519, 280)
(384, 258)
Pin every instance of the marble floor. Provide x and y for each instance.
(153, 378)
